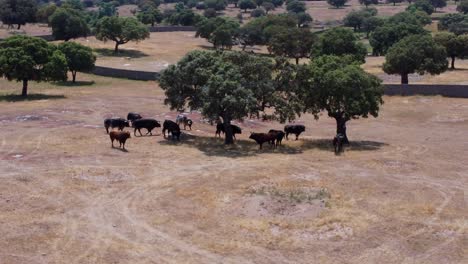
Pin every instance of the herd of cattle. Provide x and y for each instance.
(137, 122)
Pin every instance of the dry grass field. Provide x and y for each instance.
(397, 194)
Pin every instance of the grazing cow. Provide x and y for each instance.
(279, 136)
(182, 119)
(220, 128)
(120, 136)
(147, 123)
(261, 138)
(133, 116)
(294, 129)
(115, 122)
(172, 128)
(338, 143)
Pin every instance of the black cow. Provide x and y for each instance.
(220, 128)
(147, 123)
(261, 138)
(294, 129)
(338, 143)
(279, 136)
(172, 128)
(133, 116)
(115, 122)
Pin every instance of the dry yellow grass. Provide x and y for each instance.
(396, 194)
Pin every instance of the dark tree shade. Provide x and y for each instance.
(415, 54)
(337, 3)
(463, 7)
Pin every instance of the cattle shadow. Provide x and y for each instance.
(120, 149)
(121, 53)
(75, 84)
(30, 97)
(212, 146)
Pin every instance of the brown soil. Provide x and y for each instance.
(397, 194)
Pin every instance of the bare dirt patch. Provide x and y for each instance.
(396, 195)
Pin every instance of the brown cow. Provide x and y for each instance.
(261, 138)
(120, 136)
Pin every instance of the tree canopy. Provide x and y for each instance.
(415, 54)
(24, 58)
(455, 46)
(369, 2)
(294, 43)
(220, 31)
(296, 6)
(339, 86)
(79, 57)
(227, 85)
(340, 41)
(246, 4)
(68, 24)
(150, 16)
(120, 30)
(17, 12)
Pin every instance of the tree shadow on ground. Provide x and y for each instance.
(30, 97)
(75, 84)
(122, 53)
(212, 146)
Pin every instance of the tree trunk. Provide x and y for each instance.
(73, 76)
(116, 49)
(453, 63)
(25, 88)
(19, 26)
(404, 78)
(341, 128)
(228, 129)
(297, 61)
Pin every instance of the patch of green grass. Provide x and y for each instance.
(299, 195)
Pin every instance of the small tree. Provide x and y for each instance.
(120, 30)
(367, 3)
(455, 46)
(220, 31)
(416, 53)
(257, 12)
(423, 5)
(296, 7)
(303, 19)
(216, 4)
(249, 35)
(340, 41)
(17, 12)
(294, 43)
(44, 12)
(463, 7)
(246, 4)
(24, 58)
(339, 86)
(268, 6)
(150, 16)
(68, 24)
(369, 24)
(79, 57)
(337, 3)
(438, 4)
